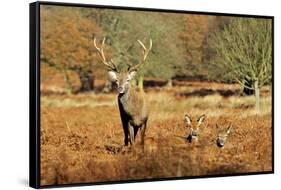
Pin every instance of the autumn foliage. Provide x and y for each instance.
(66, 43)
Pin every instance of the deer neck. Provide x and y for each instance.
(125, 97)
(128, 100)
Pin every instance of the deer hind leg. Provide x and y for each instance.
(136, 129)
(142, 135)
(131, 133)
(142, 129)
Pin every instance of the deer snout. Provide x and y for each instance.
(120, 89)
(123, 87)
(220, 142)
(194, 133)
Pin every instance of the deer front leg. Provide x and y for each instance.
(125, 123)
(126, 132)
(126, 136)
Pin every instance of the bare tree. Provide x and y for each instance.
(244, 45)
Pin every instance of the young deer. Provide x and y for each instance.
(193, 126)
(222, 135)
(131, 100)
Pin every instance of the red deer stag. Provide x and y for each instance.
(131, 100)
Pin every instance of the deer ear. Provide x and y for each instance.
(187, 119)
(132, 74)
(229, 129)
(112, 76)
(217, 127)
(201, 119)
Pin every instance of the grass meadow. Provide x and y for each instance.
(82, 135)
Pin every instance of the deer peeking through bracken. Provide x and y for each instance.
(194, 127)
(222, 135)
(131, 100)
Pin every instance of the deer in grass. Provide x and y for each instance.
(193, 126)
(222, 135)
(131, 100)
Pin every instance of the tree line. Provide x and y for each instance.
(193, 46)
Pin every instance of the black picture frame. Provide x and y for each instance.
(34, 91)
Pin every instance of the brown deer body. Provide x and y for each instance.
(134, 113)
(131, 100)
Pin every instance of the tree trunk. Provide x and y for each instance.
(140, 82)
(87, 81)
(169, 83)
(68, 82)
(248, 84)
(257, 95)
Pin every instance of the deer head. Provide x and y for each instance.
(194, 126)
(222, 135)
(121, 79)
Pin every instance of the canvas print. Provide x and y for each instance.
(144, 95)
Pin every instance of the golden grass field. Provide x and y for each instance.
(82, 135)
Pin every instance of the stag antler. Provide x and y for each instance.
(145, 53)
(110, 64)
